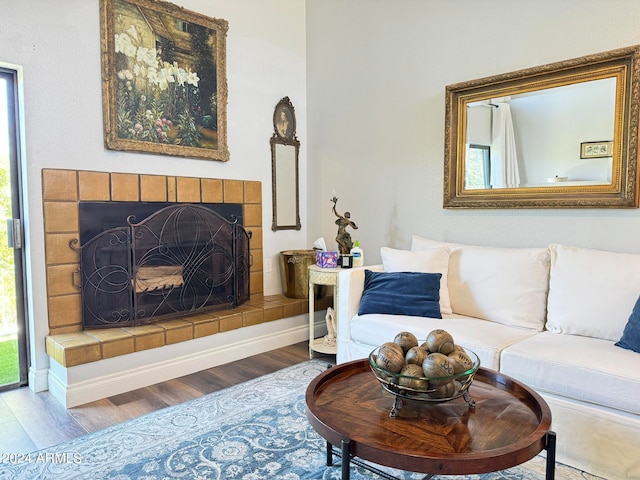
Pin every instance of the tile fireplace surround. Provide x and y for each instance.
(63, 189)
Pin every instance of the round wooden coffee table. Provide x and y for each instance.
(509, 424)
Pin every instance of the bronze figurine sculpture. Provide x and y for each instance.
(345, 244)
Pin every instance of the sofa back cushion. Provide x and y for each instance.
(421, 243)
(592, 292)
(503, 285)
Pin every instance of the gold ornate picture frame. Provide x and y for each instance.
(164, 81)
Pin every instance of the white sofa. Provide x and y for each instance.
(549, 317)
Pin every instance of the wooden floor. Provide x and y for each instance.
(34, 421)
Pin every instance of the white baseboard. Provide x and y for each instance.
(113, 379)
(38, 379)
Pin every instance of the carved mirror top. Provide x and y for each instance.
(284, 120)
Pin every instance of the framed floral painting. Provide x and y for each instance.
(164, 79)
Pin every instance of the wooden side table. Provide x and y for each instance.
(321, 276)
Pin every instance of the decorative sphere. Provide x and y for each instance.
(437, 365)
(413, 370)
(440, 341)
(443, 391)
(458, 348)
(416, 355)
(393, 345)
(406, 340)
(460, 361)
(390, 359)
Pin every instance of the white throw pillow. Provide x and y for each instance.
(434, 260)
(421, 243)
(592, 292)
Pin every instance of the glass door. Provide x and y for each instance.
(13, 349)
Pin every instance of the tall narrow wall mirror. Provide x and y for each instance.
(285, 148)
(562, 135)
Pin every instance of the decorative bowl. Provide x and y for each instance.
(425, 389)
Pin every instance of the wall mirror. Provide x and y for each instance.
(562, 135)
(284, 168)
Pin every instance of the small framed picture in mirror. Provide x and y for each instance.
(596, 149)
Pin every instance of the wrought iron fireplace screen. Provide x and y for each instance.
(182, 259)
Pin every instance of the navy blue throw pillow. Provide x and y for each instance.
(401, 293)
(631, 335)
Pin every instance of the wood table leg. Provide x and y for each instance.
(329, 454)
(550, 447)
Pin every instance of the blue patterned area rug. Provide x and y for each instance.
(257, 430)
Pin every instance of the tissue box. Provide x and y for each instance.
(326, 259)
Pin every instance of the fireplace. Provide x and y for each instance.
(141, 262)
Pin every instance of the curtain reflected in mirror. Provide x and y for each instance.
(285, 148)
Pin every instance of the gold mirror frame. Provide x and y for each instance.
(622, 64)
(285, 148)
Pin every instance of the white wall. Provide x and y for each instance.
(58, 44)
(376, 77)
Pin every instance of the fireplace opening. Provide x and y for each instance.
(141, 262)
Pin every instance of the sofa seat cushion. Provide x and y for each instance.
(582, 368)
(485, 339)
